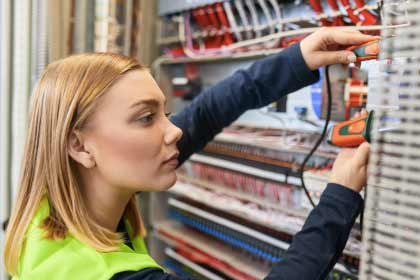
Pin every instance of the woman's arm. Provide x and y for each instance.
(314, 250)
(267, 80)
(318, 246)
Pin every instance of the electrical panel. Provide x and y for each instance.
(391, 231)
(239, 201)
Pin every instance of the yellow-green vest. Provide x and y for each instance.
(71, 259)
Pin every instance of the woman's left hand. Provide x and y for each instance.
(350, 166)
(326, 45)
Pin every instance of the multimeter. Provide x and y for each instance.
(351, 133)
(366, 51)
(354, 132)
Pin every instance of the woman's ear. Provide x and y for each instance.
(77, 150)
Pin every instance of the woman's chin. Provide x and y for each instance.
(162, 183)
(169, 182)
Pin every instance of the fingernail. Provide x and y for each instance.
(351, 57)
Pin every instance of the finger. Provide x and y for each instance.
(364, 113)
(334, 57)
(347, 153)
(348, 30)
(362, 154)
(337, 36)
(353, 31)
(361, 114)
(340, 29)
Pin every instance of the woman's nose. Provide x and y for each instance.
(173, 133)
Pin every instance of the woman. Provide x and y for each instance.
(99, 133)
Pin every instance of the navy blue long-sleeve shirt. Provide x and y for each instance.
(317, 247)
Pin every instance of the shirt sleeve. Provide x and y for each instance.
(318, 246)
(314, 250)
(266, 81)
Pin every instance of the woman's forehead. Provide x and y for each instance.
(134, 86)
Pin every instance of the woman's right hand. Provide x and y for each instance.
(327, 46)
(350, 166)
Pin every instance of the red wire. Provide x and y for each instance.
(198, 15)
(218, 39)
(316, 6)
(203, 21)
(228, 38)
(369, 19)
(355, 19)
(337, 20)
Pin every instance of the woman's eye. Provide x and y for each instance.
(168, 114)
(147, 119)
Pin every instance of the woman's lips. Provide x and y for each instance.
(173, 160)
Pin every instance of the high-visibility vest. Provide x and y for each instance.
(71, 259)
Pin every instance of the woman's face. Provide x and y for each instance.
(130, 137)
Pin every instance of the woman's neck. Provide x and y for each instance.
(105, 204)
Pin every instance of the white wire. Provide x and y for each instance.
(257, 27)
(270, 22)
(232, 21)
(307, 31)
(278, 12)
(241, 10)
(270, 37)
(267, 14)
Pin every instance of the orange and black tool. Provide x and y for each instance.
(366, 51)
(351, 133)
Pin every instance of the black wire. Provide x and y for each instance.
(321, 138)
(315, 147)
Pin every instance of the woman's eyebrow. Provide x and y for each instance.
(149, 102)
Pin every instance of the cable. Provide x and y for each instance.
(317, 7)
(256, 26)
(321, 138)
(244, 19)
(337, 18)
(353, 17)
(267, 15)
(232, 21)
(315, 147)
(278, 13)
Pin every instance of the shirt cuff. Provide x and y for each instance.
(298, 65)
(344, 195)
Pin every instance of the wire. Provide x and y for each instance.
(267, 15)
(256, 26)
(232, 21)
(244, 19)
(315, 147)
(308, 30)
(320, 139)
(185, 35)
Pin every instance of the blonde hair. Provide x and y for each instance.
(63, 99)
